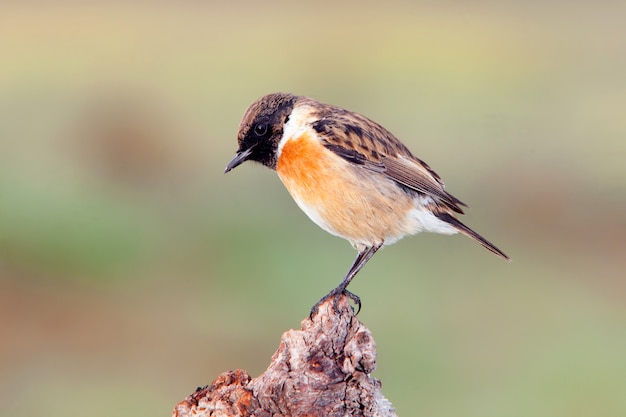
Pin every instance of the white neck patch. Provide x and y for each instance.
(300, 121)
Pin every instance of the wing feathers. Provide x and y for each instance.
(418, 177)
(362, 141)
(410, 173)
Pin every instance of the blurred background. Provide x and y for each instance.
(132, 270)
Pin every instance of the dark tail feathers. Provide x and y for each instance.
(448, 218)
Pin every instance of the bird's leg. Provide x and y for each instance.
(361, 259)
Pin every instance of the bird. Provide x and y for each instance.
(351, 176)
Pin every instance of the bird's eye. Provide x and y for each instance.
(260, 129)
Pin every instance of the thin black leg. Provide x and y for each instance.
(360, 261)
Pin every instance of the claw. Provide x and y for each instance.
(335, 295)
(355, 298)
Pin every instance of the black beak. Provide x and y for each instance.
(240, 158)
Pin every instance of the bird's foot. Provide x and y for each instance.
(335, 295)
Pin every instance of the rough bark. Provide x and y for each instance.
(321, 370)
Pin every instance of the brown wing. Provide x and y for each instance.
(364, 142)
(417, 176)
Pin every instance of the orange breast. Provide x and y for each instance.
(348, 201)
(307, 168)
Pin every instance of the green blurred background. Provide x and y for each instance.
(132, 270)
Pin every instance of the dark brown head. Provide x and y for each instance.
(261, 129)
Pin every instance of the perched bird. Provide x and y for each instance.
(350, 175)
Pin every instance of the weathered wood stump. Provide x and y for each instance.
(321, 370)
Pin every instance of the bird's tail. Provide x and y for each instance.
(454, 222)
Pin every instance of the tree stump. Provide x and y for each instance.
(321, 370)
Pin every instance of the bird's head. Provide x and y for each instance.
(261, 129)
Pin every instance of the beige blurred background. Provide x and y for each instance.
(132, 270)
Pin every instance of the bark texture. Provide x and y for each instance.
(321, 370)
